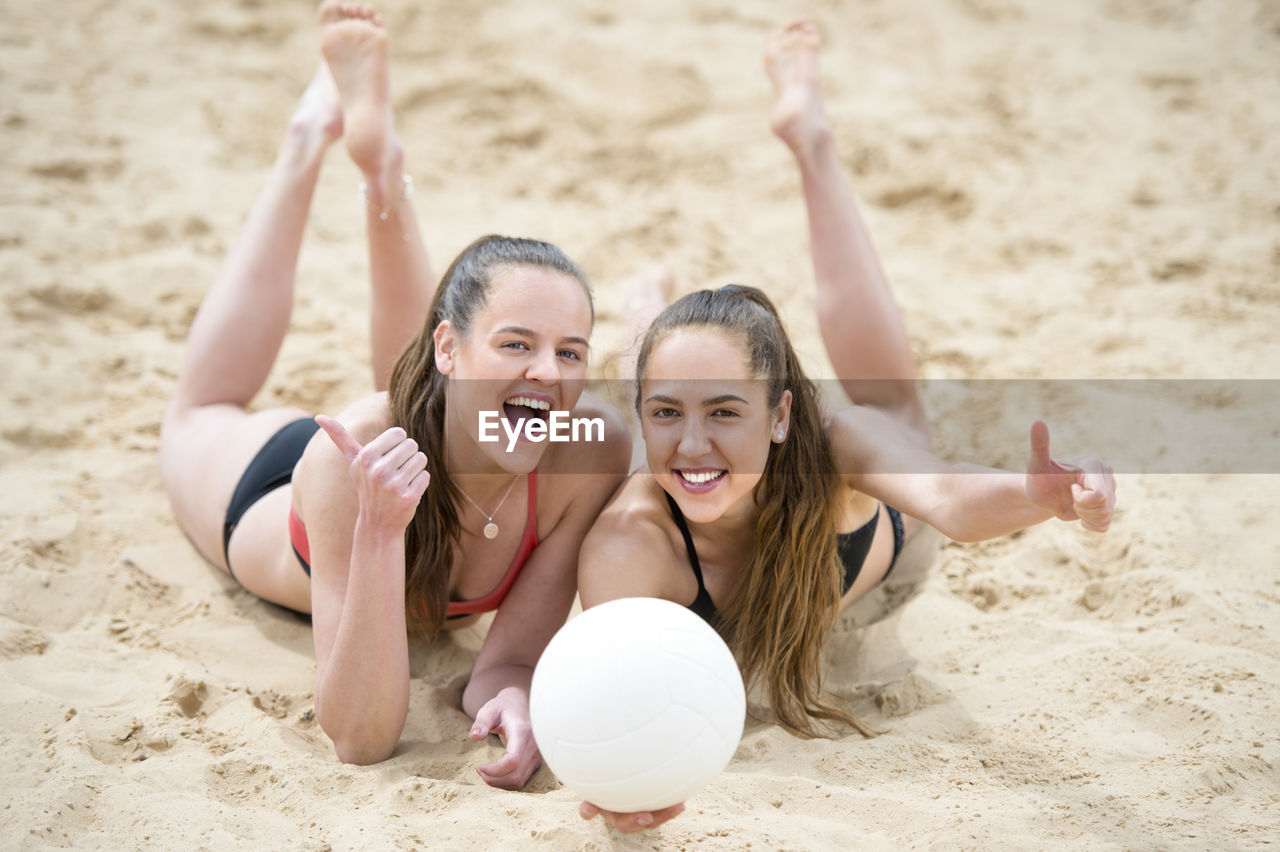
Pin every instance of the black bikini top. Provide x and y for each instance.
(852, 548)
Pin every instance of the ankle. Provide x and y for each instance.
(813, 148)
(386, 200)
(305, 141)
(382, 169)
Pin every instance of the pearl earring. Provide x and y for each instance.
(779, 435)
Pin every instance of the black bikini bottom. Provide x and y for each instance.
(853, 547)
(270, 469)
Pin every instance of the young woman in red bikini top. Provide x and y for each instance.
(401, 514)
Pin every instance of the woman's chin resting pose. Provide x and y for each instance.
(400, 519)
(762, 511)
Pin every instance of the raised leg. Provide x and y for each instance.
(208, 437)
(242, 321)
(648, 293)
(355, 46)
(861, 324)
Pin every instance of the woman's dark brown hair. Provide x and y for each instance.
(788, 598)
(417, 392)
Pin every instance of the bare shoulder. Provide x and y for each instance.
(592, 405)
(630, 550)
(367, 417)
(872, 450)
(615, 446)
(634, 516)
(600, 451)
(322, 474)
(856, 432)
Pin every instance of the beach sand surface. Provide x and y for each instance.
(1062, 191)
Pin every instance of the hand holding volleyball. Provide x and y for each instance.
(636, 705)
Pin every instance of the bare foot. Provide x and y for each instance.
(354, 43)
(317, 120)
(647, 294)
(791, 58)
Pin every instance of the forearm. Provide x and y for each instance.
(484, 685)
(362, 691)
(978, 503)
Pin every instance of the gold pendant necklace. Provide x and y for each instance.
(490, 528)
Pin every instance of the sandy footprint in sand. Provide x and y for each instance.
(354, 43)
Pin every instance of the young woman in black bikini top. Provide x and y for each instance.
(744, 460)
(741, 457)
(851, 550)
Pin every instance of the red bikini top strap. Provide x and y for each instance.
(298, 534)
(528, 542)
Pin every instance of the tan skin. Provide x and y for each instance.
(360, 481)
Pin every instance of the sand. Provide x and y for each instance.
(1065, 191)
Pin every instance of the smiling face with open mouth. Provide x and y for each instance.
(519, 409)
(525, 356)
(707, 423)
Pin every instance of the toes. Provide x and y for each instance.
(335, 11)
(329, 12)
(798, 33)
(789, 41)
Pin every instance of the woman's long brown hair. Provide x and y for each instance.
(780, 616)
(418, 393)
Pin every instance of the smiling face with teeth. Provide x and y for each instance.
(707, 422)
(520, 408)
(524, 355)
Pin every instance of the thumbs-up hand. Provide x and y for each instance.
(1071, 489)
(389, 472)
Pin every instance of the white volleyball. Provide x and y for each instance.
(637, 704)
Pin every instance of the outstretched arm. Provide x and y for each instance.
(626, 554)
(969, 502)
(497, 696)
